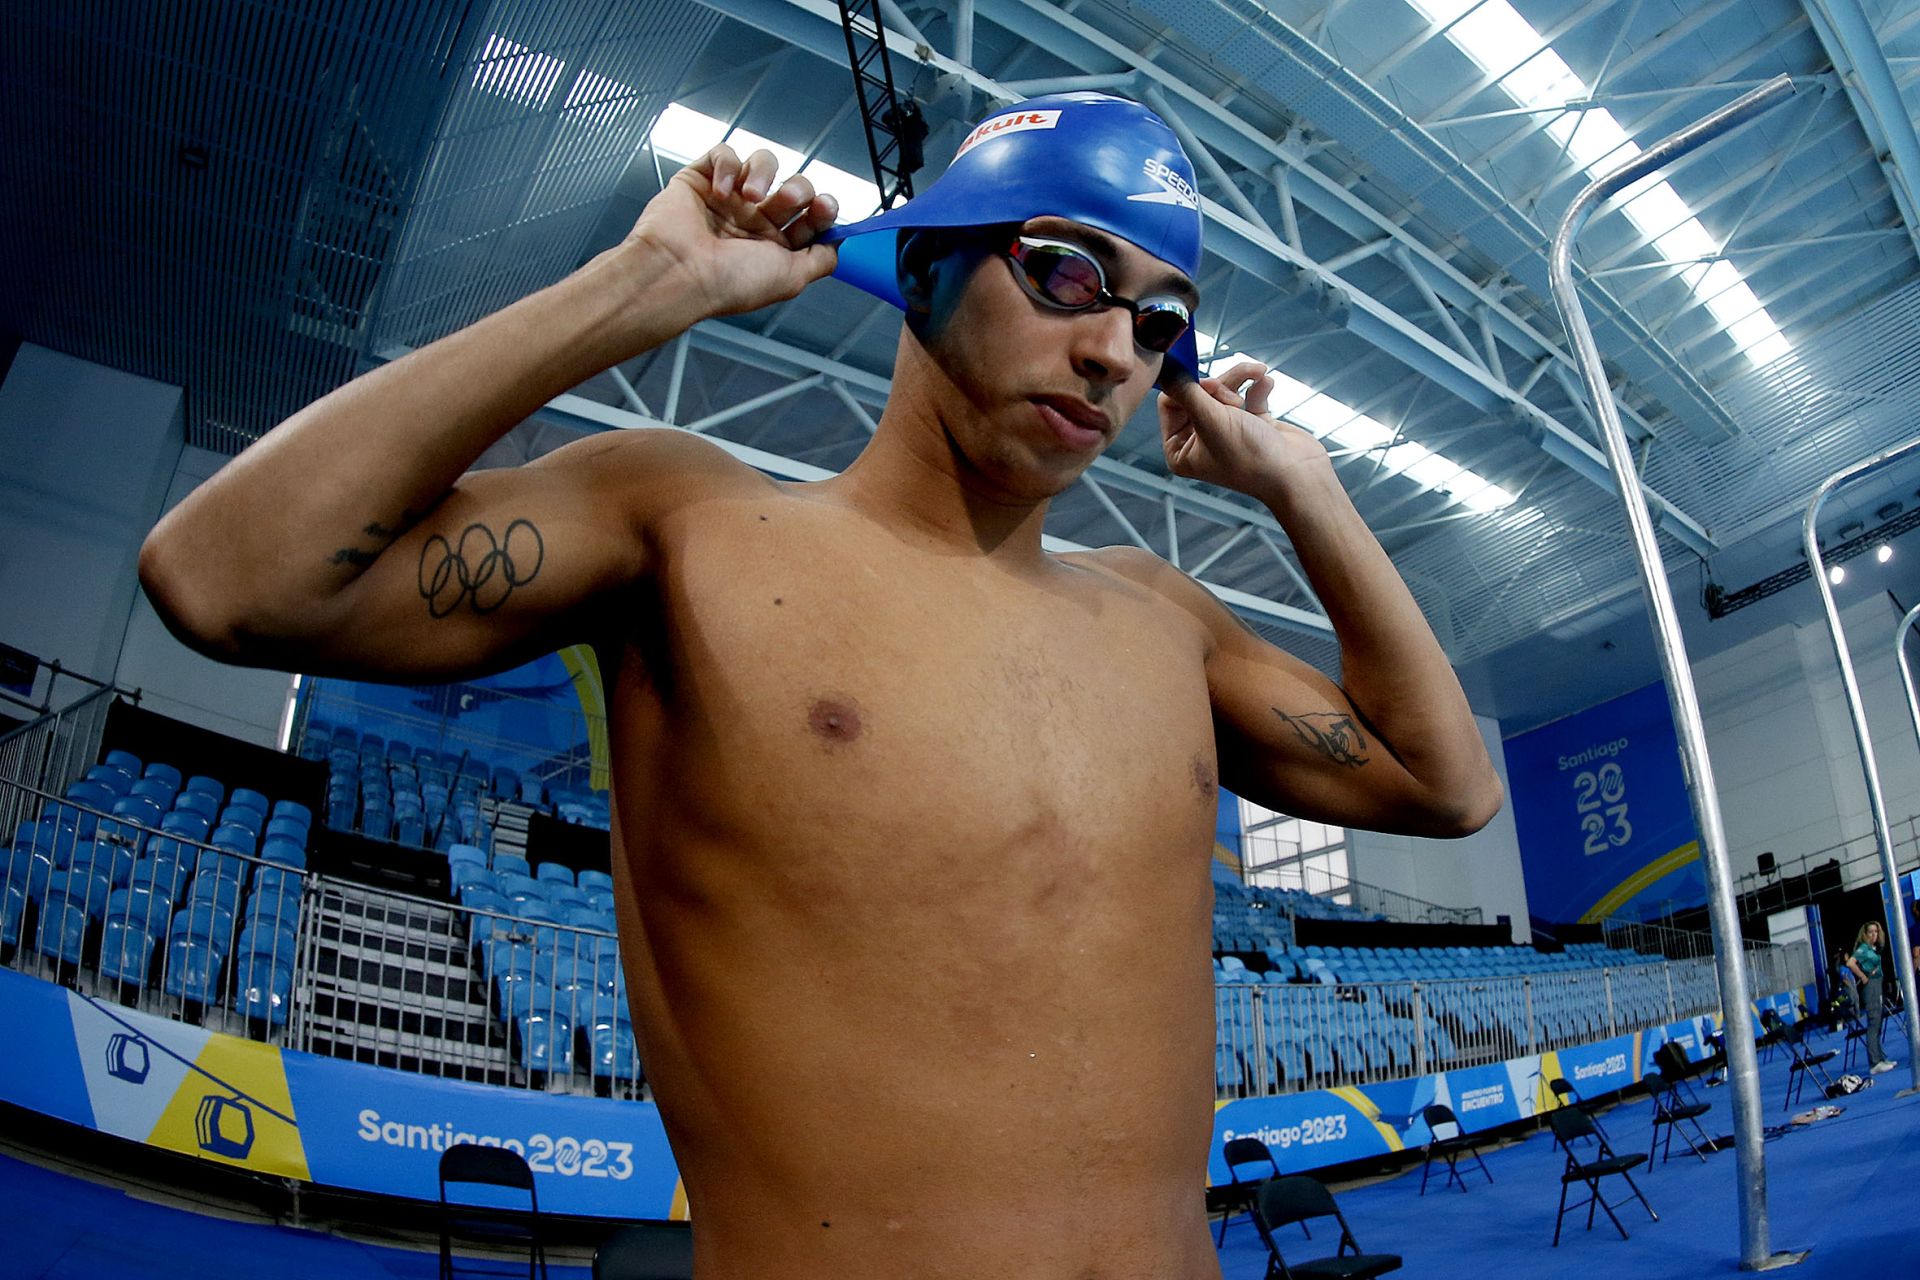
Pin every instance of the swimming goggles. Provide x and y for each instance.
(1068, 278)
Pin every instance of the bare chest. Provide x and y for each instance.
(891, 698)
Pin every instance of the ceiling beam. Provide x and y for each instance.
(1847, 35)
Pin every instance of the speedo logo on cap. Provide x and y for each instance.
(1015, 122)
(1174, 189)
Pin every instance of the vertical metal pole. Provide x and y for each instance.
(1742, 1063)
(1896, 930)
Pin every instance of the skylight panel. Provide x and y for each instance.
(1505, 45)
(683, 135)
(1491, 498)
(511, 70)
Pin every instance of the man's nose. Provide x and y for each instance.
(1103, 347)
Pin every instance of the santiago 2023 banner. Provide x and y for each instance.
(1601, 808)
(341, 1124)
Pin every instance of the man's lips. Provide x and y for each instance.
(1078, 412)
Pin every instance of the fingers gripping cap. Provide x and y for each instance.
(1092, 158)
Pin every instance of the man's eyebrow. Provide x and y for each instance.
(1104, 245)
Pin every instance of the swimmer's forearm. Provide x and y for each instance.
(1392, 666)
(303, 513)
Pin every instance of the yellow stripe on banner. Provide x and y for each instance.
(679, 1211)
(1365, 1106)
(1637, 1058)
(1624, 892)
(585, 670)
(227, 1113)
(1544, 1098)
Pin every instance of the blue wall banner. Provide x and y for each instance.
(340, 1124)
(1602, 812)
(296, 1115)
(1307, 1131)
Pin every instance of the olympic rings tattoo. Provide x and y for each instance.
(482, 567)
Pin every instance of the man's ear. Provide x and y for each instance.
(915, 255)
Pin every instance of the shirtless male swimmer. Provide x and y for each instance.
(912, 818)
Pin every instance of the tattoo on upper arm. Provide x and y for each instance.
(482, 566)
(361, 559)
(1333, 734)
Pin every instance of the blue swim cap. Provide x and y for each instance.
(1088, 157)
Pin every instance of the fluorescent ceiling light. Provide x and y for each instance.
(1504, 45)
(683, 135)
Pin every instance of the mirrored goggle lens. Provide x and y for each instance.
(1159, 325)
(1061, 275)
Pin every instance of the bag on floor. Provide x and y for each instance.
(1848, 1083)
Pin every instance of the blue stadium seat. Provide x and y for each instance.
(158, 790)
(126, 950)
(555, 872)
(186, 824)
(144, 810)
(62, 932)
(110, 862)
(118, 781)
(482, 898)
(288, 853)
(165, 772)
(234, 838)
(600, 900)
(269, 937)
(143, 906)
(510, 863)
(193, 968)
(273, 910)
(88, 888)
(250, 799)
(563, 896)
(197, 802)
(591, 880)
(263, 988)
(286, 829)
(468, 875)
(615, 1055)
(206, 786)
(93, 795)
(213, 884)
(125, 761)
(546, 1041)
(245, 817)
(467, 853)
(521, 888)
(163, 872)
(292, 811)
(208, 921)
(278, 882)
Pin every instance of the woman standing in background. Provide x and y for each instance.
(1865, 964)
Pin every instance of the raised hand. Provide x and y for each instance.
(1220, 430)
(741, 240)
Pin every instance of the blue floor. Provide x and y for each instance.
(67, 1228)
(1844, 1188)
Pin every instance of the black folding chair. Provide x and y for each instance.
(1675, 1113)
(1570, 1097)
(469, 1163)
(1572, 1125)
(1298, 1198)
(646, 1251)
(1856, 1035)
(1438, 1115)
(1671, 1059)
(1237, 1195)
(1805, 1062)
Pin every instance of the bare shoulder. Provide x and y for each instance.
(1144, 571)
(651, 474)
